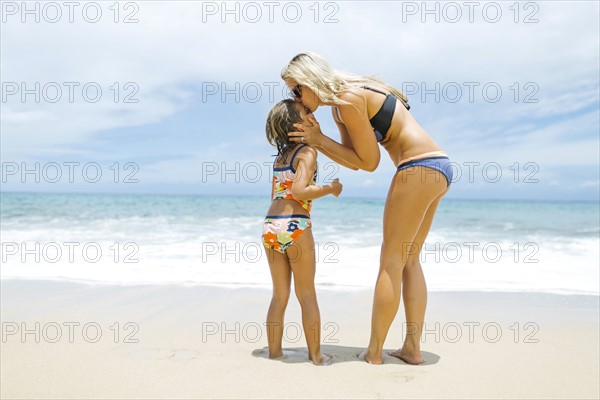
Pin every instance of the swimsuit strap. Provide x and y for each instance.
(279, 155)
(386, 94)
(373, 89)
(294, 156)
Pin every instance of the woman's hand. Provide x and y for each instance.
(309, 134)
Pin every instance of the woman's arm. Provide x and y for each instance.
(356, 130)
(301, 188)
(335, 157)
(315, 143)
(346, 141)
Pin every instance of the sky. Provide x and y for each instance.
(171, 97)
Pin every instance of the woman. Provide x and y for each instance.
(367, 111)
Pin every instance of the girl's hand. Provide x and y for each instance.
(309, 134)
(337, 187)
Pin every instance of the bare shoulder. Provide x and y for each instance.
(308, 152)
(353, 96)
(356, 106)
(308, 155)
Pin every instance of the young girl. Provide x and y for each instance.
(287, 236)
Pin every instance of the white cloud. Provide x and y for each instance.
(593, 184)
(171, 51)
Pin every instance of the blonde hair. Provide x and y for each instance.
(280, 121)
(311, 70)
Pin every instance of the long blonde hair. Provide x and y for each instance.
(311, 70)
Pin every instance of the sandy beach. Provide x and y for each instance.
(103, 341)
(143, 144)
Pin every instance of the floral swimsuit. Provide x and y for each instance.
(280, 231)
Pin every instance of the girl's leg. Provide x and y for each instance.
(414, 293)
(281, 275)
(302, 261)
(411, 193)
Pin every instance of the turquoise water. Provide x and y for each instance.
(174, 234)
(570, 219)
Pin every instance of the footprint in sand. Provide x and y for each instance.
(163, 354)
(404, 377)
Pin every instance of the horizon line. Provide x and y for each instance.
(258, 195)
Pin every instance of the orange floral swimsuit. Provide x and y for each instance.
(280, 231)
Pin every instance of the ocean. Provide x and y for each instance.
(473, 245)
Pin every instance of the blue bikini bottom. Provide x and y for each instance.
(439, 163)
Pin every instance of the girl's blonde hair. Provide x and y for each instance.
(311, 70)
(280, 121)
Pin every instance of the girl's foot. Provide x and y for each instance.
(409, 357)
(274, 356)
(322, 360)
(365, 356)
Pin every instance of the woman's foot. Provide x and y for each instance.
(322, 360)
(410, 357)
(365, 356)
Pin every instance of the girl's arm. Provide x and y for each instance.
(307, 165)
(362, 150)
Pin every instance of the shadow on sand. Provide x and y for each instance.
(341, 354)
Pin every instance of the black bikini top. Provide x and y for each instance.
(382, 121)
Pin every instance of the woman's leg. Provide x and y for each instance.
(414, 292)
(411, 193)
(281, 275)
(302, 261)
